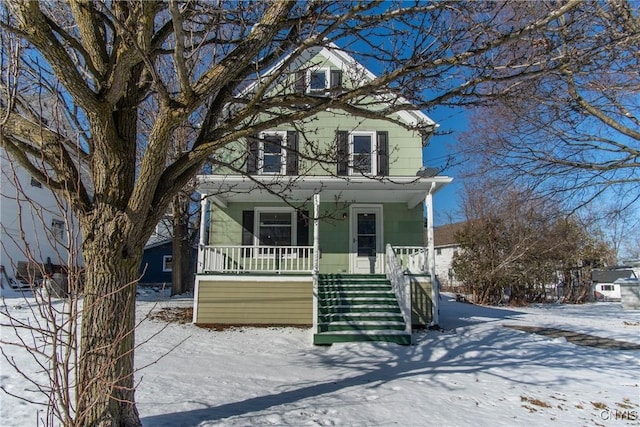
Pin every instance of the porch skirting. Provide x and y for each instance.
(253, 299)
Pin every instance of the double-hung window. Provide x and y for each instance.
(275, 226)
(272, 153)
(362, 152)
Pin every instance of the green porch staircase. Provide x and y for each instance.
(355, 307)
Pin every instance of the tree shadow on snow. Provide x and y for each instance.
(455, 314)
(434, 361)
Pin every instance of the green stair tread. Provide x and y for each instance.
(366, 316)
(363, 322)
(358, 308)
(372, 336)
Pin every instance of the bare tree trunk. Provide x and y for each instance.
(105, 392)
(181, 272)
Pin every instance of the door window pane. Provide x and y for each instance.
(366, 223)
(366, 234)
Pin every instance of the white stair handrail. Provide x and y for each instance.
(400, 285)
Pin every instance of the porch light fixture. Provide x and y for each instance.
(344, 215)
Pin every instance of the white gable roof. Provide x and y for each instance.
(345, 62)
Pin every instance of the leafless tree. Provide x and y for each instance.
(46, 268)
(108, 62)
(184, 218)
(573, 131)
(515, 247)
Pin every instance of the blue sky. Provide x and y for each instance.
(447, 202)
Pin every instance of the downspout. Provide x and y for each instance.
(431, 257)
(316, 259)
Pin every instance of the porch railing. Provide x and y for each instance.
(412, 258)
(400, 284)
(250, 259)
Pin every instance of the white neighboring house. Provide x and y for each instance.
(604, 286)
(35, 228)
(446, 246)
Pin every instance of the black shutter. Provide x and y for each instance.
(252, 158)
(292, 152)
(383, 153)
(336, 79)
(343, 152)
(300, 83)
(247, 233)
(302, 237)
(247, 228)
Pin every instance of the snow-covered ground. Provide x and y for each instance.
(474, 373)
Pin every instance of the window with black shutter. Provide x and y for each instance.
(362, 153)
(274, 226)
(317, 81)
(273, 153)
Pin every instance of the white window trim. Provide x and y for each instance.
(327, 79)
(164, 263)
(283, 152)
(374, 152)
(256, 228)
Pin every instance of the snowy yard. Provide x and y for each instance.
(475, 373)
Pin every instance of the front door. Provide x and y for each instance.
(366, 240)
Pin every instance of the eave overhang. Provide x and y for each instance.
(224, 189)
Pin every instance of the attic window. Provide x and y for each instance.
(318, 80)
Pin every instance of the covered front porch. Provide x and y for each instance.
(282, 224)
(344, 226)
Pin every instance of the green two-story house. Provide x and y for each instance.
(322, 222)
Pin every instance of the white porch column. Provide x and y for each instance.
(316, 258)
(204, 206)
(431, 256)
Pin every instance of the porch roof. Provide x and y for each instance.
(273, 188)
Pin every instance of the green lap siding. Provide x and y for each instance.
(401, 227)
(254, 301)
